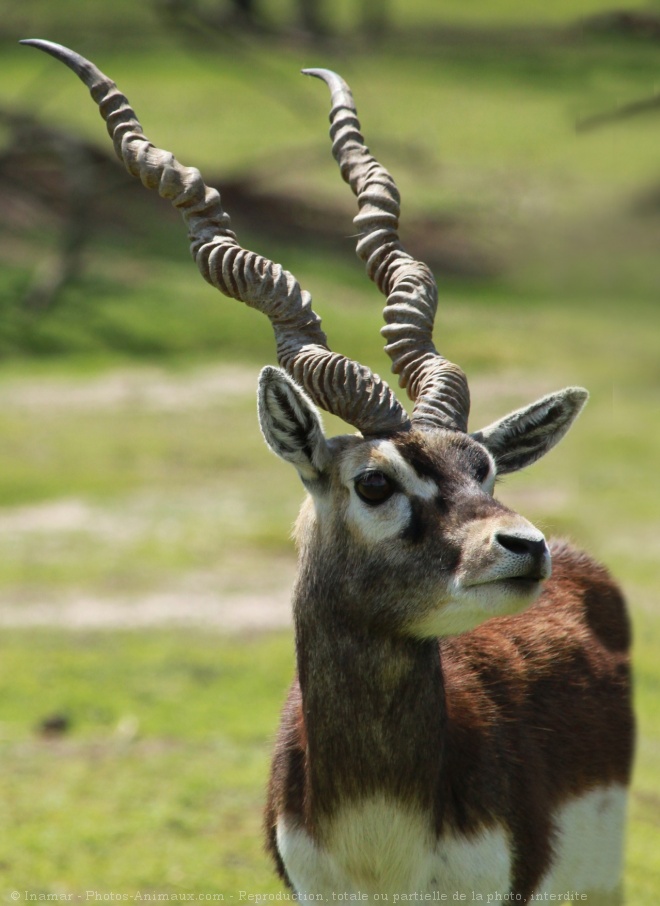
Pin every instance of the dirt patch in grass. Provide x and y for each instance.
(222, 612)
(144, 388)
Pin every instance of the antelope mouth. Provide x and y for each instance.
(521, 584)
(525, 583)
(496, 580)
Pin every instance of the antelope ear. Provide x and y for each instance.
(523, 436)
(290, 424)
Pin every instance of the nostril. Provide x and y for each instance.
(521, 545)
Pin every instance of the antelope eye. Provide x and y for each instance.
(374, 487)
(483, 471)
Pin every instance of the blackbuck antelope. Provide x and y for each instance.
(460, 726)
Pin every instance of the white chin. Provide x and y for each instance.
(471, 606)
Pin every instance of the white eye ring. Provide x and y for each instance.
(488, 483)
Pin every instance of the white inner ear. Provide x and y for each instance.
(527, 434)
(291, 424)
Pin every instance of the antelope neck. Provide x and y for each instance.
(374, 711)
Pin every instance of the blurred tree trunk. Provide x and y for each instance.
(199, 20)
(70, 191)
(246, 12)
(374, 17)
(53, 274)
(311, 18)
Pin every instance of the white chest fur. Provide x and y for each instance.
(375, 848)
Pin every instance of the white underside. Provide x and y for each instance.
(589, 843)
(375, 848)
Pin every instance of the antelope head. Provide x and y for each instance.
(400, 524)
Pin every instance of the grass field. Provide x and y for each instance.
(132, 472)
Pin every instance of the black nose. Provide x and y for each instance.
(522, 545)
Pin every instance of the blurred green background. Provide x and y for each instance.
(145, 557)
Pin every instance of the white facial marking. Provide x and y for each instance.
(379, 523)
(414, 484)
(388, 519)
(488, 484)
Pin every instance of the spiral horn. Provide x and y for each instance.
(438, 388)
(335, 383)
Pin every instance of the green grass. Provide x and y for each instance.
(159, 784)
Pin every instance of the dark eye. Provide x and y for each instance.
(374, 487)
(483, 471)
